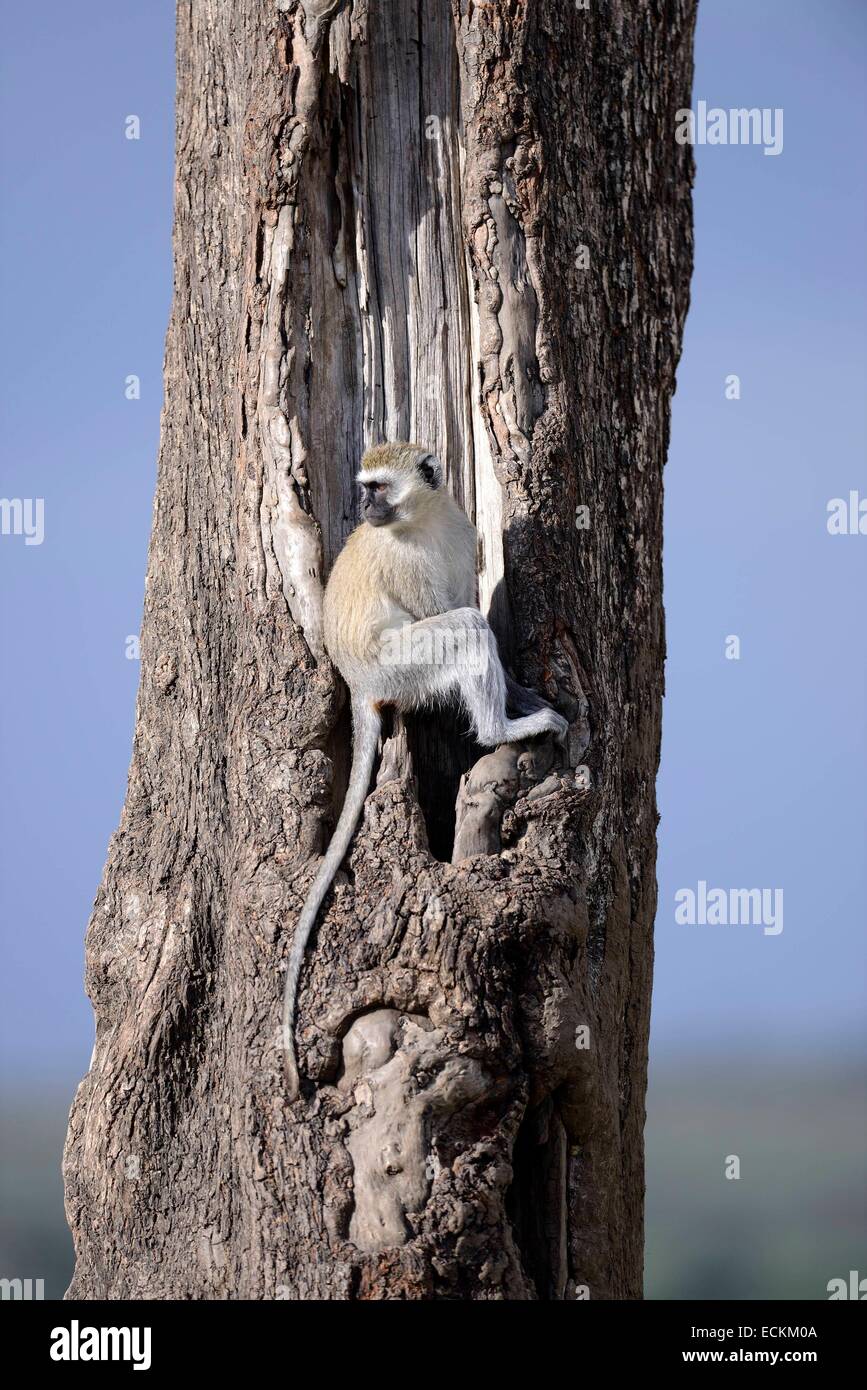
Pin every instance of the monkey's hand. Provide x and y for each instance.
(526, 702)
(558, 726)
(520, 700)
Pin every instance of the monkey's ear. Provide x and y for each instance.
(431, 470)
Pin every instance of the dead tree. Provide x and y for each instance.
(468, 223)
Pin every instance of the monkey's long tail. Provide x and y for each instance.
(366, 726)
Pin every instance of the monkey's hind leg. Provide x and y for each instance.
(457, 652)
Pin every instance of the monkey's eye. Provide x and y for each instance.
(375, 487)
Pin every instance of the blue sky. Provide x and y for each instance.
(763, 771)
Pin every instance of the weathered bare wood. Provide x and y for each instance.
(379, 220)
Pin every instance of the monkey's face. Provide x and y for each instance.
(377, 505)
(397, 482)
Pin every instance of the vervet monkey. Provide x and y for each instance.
(401, 626)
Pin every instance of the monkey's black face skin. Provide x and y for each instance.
(375, 507)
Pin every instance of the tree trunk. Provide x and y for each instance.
(466, 224)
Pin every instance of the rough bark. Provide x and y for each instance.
(379, 219)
